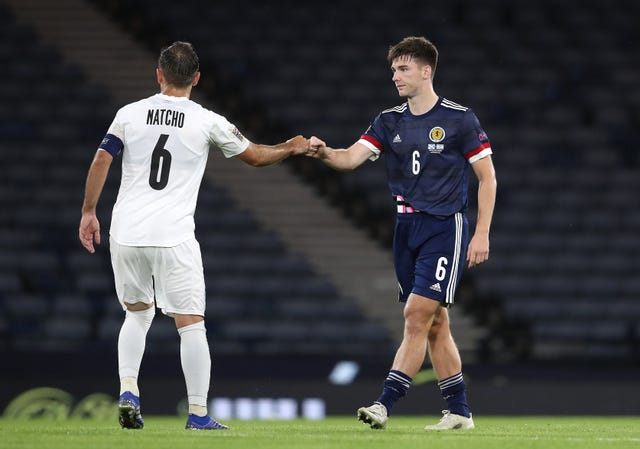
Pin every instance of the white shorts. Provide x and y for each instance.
(174, 276)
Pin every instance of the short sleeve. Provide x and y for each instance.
(227, 137)
(113, 141)
(475, 142)
(373, 138)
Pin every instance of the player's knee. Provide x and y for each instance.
(433, 333)
(197, 326)
(144, 317)
(416, 324)
(187, 320)
(138, 306)
(419, 314)
(439, 330)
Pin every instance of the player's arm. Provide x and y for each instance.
(478, 250)
(89, 225)
(260, 155)
(339, 159)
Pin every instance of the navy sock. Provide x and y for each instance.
(454, 391)
(395, 386)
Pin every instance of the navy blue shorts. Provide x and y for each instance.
(429, 254)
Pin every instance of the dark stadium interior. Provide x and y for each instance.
(555, 84)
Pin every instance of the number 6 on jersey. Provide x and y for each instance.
(160, 164)
(415, 162)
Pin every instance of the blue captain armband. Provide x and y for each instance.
(111, 144)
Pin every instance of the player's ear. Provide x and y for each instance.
(196, 79)
(426, 71)
(159, 76)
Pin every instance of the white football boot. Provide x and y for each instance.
(449, 421)
(375, 415)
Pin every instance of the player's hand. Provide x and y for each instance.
(317, 148)
(89, 231)
(478, 250)
(299, 145)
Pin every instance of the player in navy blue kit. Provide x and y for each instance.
(429, 145)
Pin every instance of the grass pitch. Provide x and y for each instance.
(492, 432)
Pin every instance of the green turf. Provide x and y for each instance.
(340, 433)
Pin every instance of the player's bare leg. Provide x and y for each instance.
(443, 351)
(418, 314)
(447, 365)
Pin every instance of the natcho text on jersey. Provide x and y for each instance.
(165, 117)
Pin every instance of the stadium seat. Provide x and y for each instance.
(67, 332)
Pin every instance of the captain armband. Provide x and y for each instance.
(111, 144)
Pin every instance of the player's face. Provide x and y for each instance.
(408, 76)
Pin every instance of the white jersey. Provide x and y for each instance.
(165, 142)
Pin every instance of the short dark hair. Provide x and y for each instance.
(179, 64)
(416, 47)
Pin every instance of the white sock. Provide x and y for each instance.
(197, 410)
(131, 344)
(196, 365)
(129, 384)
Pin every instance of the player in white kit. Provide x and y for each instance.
(164, 141)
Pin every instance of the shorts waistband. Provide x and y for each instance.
(403, 207)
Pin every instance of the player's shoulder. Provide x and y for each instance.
(451, 110)
(395, 111)
(213, 117)
(453, 107)
(392, 115)
(135, 106)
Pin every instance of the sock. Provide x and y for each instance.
(129, 384)
(454, 391)
(131, 344)
(196, 365)
(395, 386)
(197, 410)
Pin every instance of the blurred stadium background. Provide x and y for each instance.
(297, 257)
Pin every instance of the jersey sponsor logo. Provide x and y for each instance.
(397, 139)
(482, 136)
(437, 134)
(435, 148)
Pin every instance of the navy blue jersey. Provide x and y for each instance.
(428, 156)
